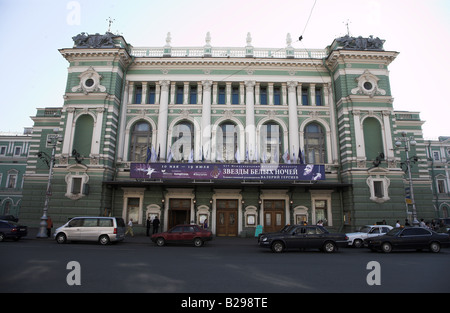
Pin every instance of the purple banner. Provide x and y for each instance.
(208, 171)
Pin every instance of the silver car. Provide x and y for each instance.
(368, 231)
(90, 228)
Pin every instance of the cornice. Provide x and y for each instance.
(354, 56)
(72, 54)
(244, 62)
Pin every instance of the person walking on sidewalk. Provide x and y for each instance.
(130, 228)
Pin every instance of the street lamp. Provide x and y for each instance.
(406, 143)
(52, 141)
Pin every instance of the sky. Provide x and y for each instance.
(34, 72)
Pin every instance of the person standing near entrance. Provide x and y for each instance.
(130, 228)
(49, 226)
(148, 224)
(155, 225)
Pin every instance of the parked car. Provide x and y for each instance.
(356, 239)
(183, 234)
(409, 238)
(286, 228)
(12, 230)
(10, 218)
(303, 237)
(90, 228)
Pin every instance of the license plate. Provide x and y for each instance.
(22, 229)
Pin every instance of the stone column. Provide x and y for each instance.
(162, 119)
(293, 120)
(250, 127)
(206, 120)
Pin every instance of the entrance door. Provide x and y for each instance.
(227, 217)
(273, 215)
(179, 212)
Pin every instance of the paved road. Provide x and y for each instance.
(223, 265)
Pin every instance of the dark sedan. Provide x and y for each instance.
(303, 237)
(183, 234)
(409, 238)
(12, 230)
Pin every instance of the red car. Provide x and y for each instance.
(183, 234)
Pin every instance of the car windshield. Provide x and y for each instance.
(394, 231)
(365, 229)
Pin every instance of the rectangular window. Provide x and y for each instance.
(2, 150)
(263, 95)
(12, 179)
(17, 151)
(76, 185)
(441, 185)
(138, 95)
(179, 95)
(277, 96)
(305, 98)
(193, 95)
(151, 95)
(321, 211)
(378, 189)
(221, 96)
(235, 95)
(436, 156)
(319, 97)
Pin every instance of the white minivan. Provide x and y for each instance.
(90, 228)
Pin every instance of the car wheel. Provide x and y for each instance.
(61, 238)
(357, 243)
(386, 247)
(104, 240)
(329, 247)
(277, 247)
(2, 237)
(435, 247)
(198, 242)
(160, 242)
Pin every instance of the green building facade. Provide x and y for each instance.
(186, 107)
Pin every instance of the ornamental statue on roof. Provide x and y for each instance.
(360, 43)
(86, 41)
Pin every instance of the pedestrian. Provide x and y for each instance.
(148, 224)
(155, 224)
(130, 228)
(397, 224)
(407, 222)
(422, 223)
(49, 226)
(205, 223)
(320, 223)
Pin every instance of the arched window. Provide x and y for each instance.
(183, 141)
(314, 144)
(373, 141)
(271, 138)
(141, 142)
(82, 141)
(227, 142)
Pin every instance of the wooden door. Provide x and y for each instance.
(179, 212)
(274, 216)
(227, 218)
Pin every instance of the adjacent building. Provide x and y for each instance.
(234, 137)
(14, 149)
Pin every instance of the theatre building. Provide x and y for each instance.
(236, 136)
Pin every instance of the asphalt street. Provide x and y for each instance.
(224, 265)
